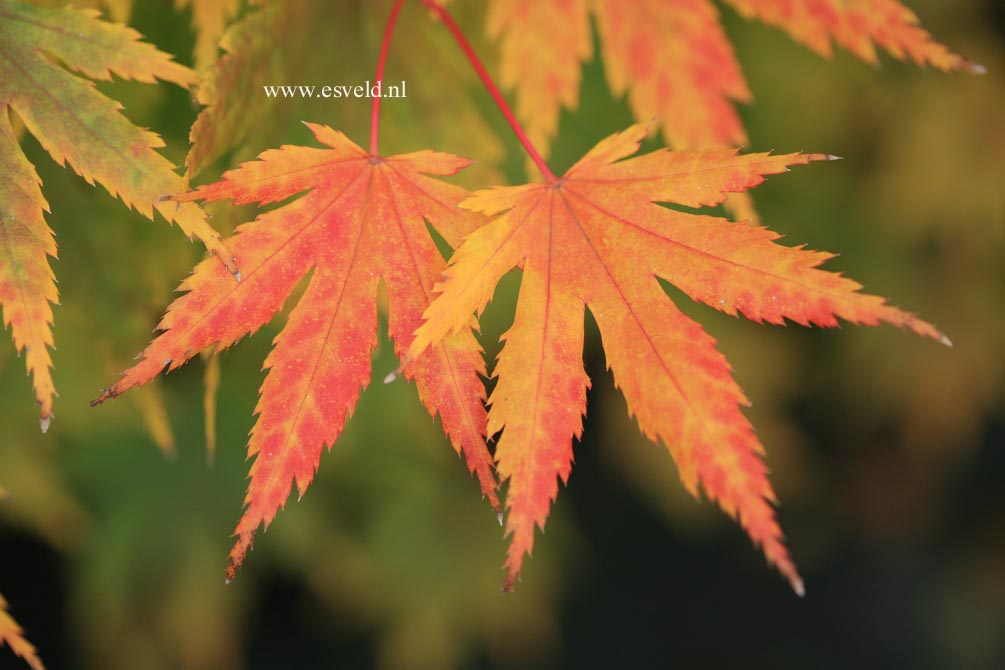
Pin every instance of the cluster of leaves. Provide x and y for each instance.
(593, 238)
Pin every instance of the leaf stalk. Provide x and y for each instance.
(491, 87)
(385, 46)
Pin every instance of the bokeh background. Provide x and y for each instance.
(886, 450)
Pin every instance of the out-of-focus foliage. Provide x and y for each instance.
(675, 64)
(885, 450)
(280, 42)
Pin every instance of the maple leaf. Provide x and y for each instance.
(78, 125)
(542, 46)
(361, 221)
(859, 26)
(594, 238)
(674, 62)
(12, 635)
(671, 59)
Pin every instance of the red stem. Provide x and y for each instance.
(490, 85)
(385, 46)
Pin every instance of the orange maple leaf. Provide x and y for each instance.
(12, 635)
(594, 238)
(859, 26)
(362, 220)
(674, 62)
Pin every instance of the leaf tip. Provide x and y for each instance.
(245, 540)
(499, 518)
(798, 586)
(974, 68)
(45, 422)
(392, 375)
(946, 341)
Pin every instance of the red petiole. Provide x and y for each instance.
(385, 46)
(479, 68)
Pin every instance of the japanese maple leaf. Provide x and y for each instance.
(361, 220)
(77, 125)
(12, 635)
(594, 238)
(860, 26)
(674, 61)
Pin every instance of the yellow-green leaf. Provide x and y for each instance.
(44, 56)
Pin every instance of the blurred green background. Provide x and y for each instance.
(886, 450)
